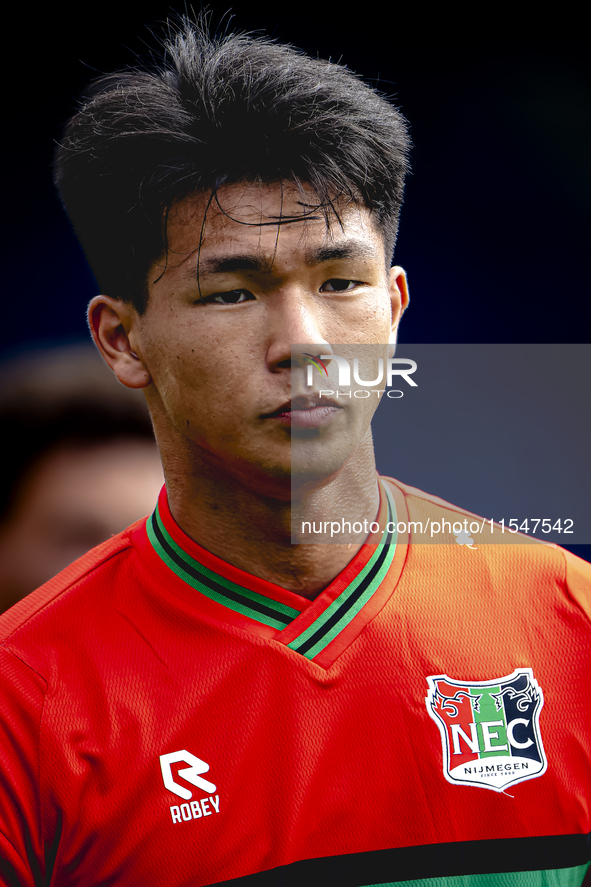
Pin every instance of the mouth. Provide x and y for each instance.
(310, 411)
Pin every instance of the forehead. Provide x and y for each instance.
(269, 219)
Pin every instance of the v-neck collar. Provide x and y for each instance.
(319, 630)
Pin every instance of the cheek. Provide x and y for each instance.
(173, 351)
(199, 380)
(374, 320)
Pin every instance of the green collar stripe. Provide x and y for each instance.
(348, 617)
(567, 877)
(209, 577)
(267, 611)
(216, 579)
(336, 605)
(238, 602)
(235, 597)
(352, 599)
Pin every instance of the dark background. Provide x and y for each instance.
(494, 231)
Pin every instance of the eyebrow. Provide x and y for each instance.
(353, 249)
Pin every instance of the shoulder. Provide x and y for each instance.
(63, 606)
(48, 652)
(420, 503)
(506, 558)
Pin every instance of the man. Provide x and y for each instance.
(83, 463)
(198, 700)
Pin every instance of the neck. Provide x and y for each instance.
(253, 531)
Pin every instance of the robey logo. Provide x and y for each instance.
(193, 775)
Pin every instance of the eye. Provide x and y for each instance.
(233, 297)
(336, 285)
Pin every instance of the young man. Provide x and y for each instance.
(199, 700)
(83, 463)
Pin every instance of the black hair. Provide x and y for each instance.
(220, 110)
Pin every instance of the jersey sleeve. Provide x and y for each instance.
(22, 694)
(578, 581)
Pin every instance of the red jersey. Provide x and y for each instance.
(167, 719)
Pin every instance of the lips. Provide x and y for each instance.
(306, 411)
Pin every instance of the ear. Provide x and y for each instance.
(112, 325)
(399, 299)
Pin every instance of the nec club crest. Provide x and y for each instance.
(490, 730)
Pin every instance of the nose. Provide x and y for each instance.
(294, 330)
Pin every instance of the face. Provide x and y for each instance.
(74, 498)
(217, 335)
